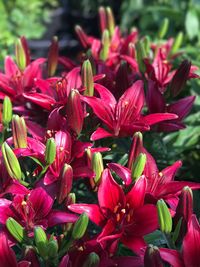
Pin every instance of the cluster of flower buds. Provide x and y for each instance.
(52, 168)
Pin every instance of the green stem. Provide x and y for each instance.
(169, 241)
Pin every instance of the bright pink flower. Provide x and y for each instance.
(32, 210)
(122, 216)
(124, 117)
(156, 103)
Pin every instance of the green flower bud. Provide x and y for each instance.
(7, 111)
(52, 248)
(163, 28)
(80, 226)
(92, 260)
(19, 131)
(52, 61)
(11, 162)
(141, 54)
(110, 21)
(177, 43)
(138, 166)
(105, 45)
(16, 230)
(97, 166)
(164, 216)
(20, 54)
(50, 152)
(41, 242)
(87, 78)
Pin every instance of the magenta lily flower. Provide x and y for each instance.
(160, 184)
(122, 216)
(123, 118)
(156, 103)
(34, 209)
(16, 82)
(7, 255)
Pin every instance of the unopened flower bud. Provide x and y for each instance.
(66, 179)
(164, 216)
(41, 241)
(52, 61)
(147, 44)
(82, 36)
(110, 21)
(71, 199)
(97, 167)
(50, 151)
(15, 229)
(152, 257)
(184, 210)
(11, 162)
(80, 226)
(138, 166)
(163, 28)
(7, 111)
(20, 55)
(52, 248)
(180, 77)
(131, 50)
(177, 43)
(105, 45)
(19, 131)
(74, 111)
(141, 55)
(87, 78)
(92, 260)
(136, 147)
(103, 18)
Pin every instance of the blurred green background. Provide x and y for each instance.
(39, 20)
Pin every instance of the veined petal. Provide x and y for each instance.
(136, 196)
(110, 194)
(123, 172)
(191, 243)
(173, 257)
(92, 210)
(58, 217)
(33, 71)
(5, 211)
(99, 134)
(11, 68)
(41, 202)
(145, 221)
(181, 107)
(154, 118)
(101, 110)
(169, 172)
(130, 104)
(42, 100)
(7, 255)
(105, 95)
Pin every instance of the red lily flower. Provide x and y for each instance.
(160, 184)
(7, 255)
(32, 210)
(122, 216)
(123, 118)
(16, 82)
(189, 255)
(156, 103)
